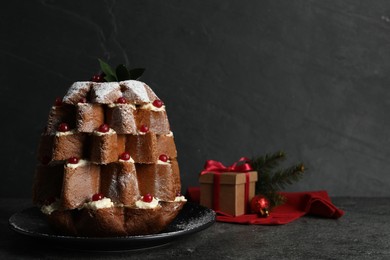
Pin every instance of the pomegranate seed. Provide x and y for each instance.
(144, 128)
(73, 160)
(158, 103)
(63, 127)
(58, 102)
(147, 198)
(163, 158)
(121, 100)
(125, 156)
(97, 196)
(104, 128)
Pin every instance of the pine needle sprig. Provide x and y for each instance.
(272, 181)
(285, 177)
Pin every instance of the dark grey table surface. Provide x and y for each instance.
(362, 233)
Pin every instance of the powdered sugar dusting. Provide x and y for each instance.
(136, 91)
(106, 92)
(77, 90)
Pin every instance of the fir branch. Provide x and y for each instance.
(282, 178)
(270, 182)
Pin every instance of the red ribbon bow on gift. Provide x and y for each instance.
(242, 165)
(216, 167)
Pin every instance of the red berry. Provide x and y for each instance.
(121, 100)
(163, 158)
(158, 103)
(58, 102)
(98, 77)
(63, 127)
(178, 194)
(73, 160)
(144, 128)
(125, 156)
(83, 100)
(104, 128)
(97, 196)
(147, 198)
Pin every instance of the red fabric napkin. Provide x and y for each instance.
(297, 204)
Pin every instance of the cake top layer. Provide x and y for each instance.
(135, 92)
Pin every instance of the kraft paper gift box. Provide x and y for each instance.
(229, 196)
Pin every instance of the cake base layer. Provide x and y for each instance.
(114, 221)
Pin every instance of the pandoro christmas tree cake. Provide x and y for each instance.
(107, 160)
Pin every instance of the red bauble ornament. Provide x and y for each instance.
(260, 205)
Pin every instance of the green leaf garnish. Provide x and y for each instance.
(110, 74)
(136, 73)
(122, 73)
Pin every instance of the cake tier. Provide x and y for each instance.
(122, 181)
(104, 148)
(115, 221)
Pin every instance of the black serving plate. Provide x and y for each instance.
(191, 219)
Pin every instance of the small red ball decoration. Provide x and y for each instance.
(144, 128)
(260, 205)
(104, 128)
(73, 160)
(158, 103)
(98, 77)
(58, 102)
(97, 196)
(125, 156)
(147, 198)
(121, 100)
(163, 158)
(63, 127)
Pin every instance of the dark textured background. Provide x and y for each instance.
(307, 77)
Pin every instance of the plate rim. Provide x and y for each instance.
(137, 238)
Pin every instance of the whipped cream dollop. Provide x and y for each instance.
(110, 132)
(99, 204)
(131, 160)
(71, 132)
(162, 162)
(147, 205)
(149, 106)
(121, 105)
(180, 198)
(48, 209)
(75, 165)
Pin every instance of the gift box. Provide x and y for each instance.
(227, 192)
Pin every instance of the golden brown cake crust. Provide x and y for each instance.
(105, 141)
(115, 221)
